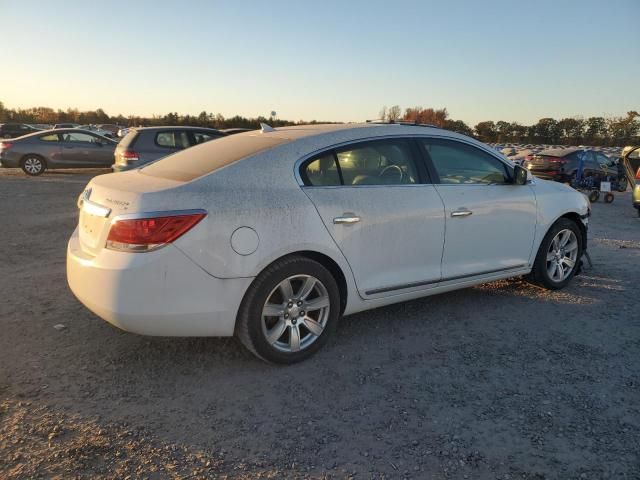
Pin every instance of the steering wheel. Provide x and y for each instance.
(391, 171)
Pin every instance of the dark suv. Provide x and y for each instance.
(15, 130)
(561, 165)
(144, 145)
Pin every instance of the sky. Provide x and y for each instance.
(324, 60)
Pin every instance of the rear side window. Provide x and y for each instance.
(459, 163)
(384, 162)
(177, 139)
(323, 171)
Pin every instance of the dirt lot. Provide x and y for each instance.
(499, 381)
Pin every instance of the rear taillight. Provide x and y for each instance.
(638, 174)
(129, 156)
(5, 145)
(556, 160)
(145, 234)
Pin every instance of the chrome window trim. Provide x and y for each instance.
(301, 160)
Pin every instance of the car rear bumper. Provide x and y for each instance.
(160, 293)
(636, 196)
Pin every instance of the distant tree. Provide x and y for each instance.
(547, 130)
(382, 115)
(571, 131)
(503, 131)
(595, 130)
(426, 116)
(394, 113)
(486, 131)
(458, 126)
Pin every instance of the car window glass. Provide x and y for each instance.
(52, 137)
(458, 163)
(388, 162)
(78, 137)
(172, 139)
(201, 137)
(322, 171)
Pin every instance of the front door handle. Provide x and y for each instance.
(461, 213)
(348, 219)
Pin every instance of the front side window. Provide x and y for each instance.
(172, 139)
(459, 163)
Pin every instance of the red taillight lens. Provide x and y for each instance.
(144, 234)
(556, 160)
(5, 145)
(638, 174)
(129, 156)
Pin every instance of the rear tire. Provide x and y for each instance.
(289, 311)
(558, 258)
(33, 165)
(608, 198)
(594, 195)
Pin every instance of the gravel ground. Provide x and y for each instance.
(500, 381)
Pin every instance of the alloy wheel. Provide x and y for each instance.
(33, 165)
(295, 313)
(562, 255)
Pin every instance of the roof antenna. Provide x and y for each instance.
(266, 128)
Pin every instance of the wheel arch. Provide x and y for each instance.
(327, 262)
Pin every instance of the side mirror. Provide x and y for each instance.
(519, 175)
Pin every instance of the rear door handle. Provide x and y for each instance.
(461, 213)
(348, 219)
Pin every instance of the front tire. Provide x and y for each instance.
(33, 165)
(289, 311)
(559, 256)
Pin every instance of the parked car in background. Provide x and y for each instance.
(110, 127)
(97, 130)
(146, 144)
(561, 165)
(14, 130)
(66, 125)
(630, 160)
(61, 148)
(273, 236)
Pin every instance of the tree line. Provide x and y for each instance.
(615, 131)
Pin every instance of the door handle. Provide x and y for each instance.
(346, 220)
(461, 213)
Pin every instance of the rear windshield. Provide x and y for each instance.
(208, 157)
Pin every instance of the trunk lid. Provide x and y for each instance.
(110, 195)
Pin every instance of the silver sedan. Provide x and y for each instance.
(60, 148)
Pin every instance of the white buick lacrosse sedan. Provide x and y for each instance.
(273, 235)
